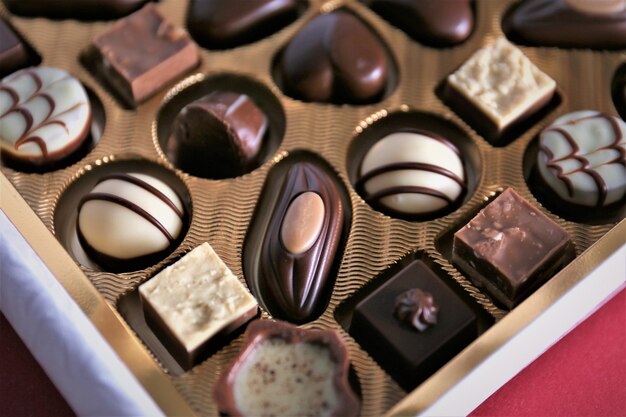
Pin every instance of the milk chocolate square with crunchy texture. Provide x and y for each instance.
(196, 304)
(497, 89)
(140, 54)
(511, 248)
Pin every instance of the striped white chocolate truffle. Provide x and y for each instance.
(412, 173)
(130, 215)
(582, 158)
(45, 114)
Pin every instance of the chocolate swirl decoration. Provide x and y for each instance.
(595, 142)
(416, 308)
(44, 106)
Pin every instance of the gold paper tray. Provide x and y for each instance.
(223, 209)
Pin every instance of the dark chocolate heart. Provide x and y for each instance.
(218, 24)
(433, 23)
(567, 24)
(335, 58)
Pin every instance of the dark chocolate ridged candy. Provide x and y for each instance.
(75, 9)
(218, 136)
(335, 58)
(568, 24)
(296, 286)
(431, 22)
(220, 24)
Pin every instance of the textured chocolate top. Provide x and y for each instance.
(431, 22)
(74, 9)
(513, 236)
(140, 42)
(278, 389)
(598, 24)
(335, 58)
(228, 23)
(416, 308)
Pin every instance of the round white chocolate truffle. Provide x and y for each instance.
(582, 158)
(412, 173)
(45, 114)
(130, 215)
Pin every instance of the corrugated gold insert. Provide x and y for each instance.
(222, 209)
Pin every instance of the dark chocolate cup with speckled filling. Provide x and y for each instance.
(414, 121)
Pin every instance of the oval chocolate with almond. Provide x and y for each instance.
(293, 246)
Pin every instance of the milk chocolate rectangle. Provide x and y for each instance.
(140, 55)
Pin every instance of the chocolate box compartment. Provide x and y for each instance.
(224, 208)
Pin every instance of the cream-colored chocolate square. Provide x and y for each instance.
(501, 82)
(197, 296)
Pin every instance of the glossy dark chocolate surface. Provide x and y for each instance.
(295, 287)
(619, 90)
(218, 136)
(139, 54)
(335, 58)
(14, 53)
(407, 354)
(556, 23)
(74, 9)
(217, 24)
(511, 248)
(434, 23)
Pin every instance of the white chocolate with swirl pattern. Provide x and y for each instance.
(45, 115)
(582, 157)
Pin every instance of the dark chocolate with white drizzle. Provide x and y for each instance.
(129, 220)
(582, 157)
(294, 242)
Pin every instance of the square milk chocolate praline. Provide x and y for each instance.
(411, 337)
(497, 89)
(196, 304)
(511, 248)
(140, 54)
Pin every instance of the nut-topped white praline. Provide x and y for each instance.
(45, 115)
(582, 157)
(412, 173)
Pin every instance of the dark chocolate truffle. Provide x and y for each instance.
(217, 24)
(411, 354)
(74, 9)
(599, 24)
(140, 54)
(335, 58)
(298, 230)
(431, 22)
(511, 248)
(45, 116)
(129, 220)
(218, 136)
(283, 370)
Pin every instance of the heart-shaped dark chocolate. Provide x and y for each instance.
(335, 58)
(433, 23)
(218, 24)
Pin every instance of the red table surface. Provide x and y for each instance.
(584, 374)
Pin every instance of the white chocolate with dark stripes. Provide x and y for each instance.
(130, 215)
(45, 114)
(412, 173)
(582, 157)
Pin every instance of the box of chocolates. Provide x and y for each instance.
(291, 207)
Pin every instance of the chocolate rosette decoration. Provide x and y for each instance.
(416, 308)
